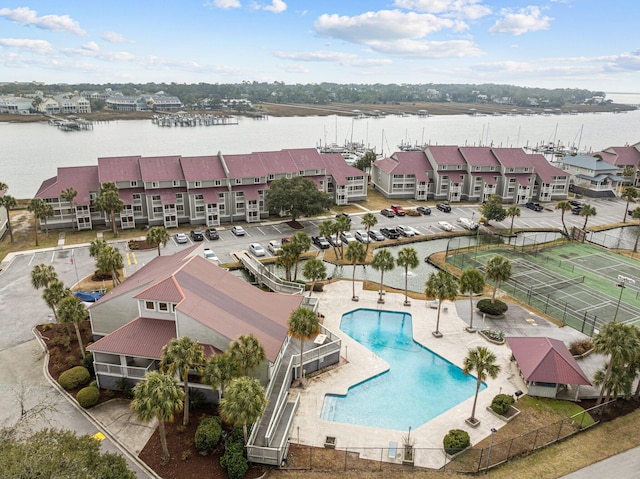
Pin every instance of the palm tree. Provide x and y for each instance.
(42, 275)
(368, 220)
(109, 201)
(629, 193)
(303, 324)
(96, 246)
(41, 211)
(246, 354)
(181, 356)
(563, 206)
(355, 254)
(244, 403)
(512, 212)
(69, 194)
(587, 211)
(483, 362)
(71, 310)
(471, 282)
(327, 228)
(8, 202)
(497, 269)
(157, 236)
(382, 261)
(620, 342)
(110, 259)
(636, 216)
(341, 225)
(53, 294)
(619, 382)
(441, 286)
(314, 270)
(218, 371)
(407, 258)
(300, 242)
(158, 397)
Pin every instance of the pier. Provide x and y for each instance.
(193, 120)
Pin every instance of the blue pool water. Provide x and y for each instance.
(418, 386)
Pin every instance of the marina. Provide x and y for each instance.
(183, 119)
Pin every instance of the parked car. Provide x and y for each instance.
(467, 224)
(334, 240)
(406, 231)
(444, 207)
(181, 238)
(196, 235)
(238, 231)
(347, 237)
(257, 249)
(398, 210)
(210, 255)
(343, 215)
(445, 226)
(390, 233)
(375, 235)
(212, 234)
(576, 210)
(425, 210)
(387, 212)
(630, 212)
(534, 206)
(362, 236)
(576, 203)
(321, 242)
(274, 246)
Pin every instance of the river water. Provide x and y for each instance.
(31, 152)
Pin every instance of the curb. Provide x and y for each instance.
(101, 427)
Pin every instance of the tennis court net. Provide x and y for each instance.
(551, 287)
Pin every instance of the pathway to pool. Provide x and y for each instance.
(360, 364)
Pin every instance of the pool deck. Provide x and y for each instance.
(359, 364)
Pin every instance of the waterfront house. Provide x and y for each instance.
(203, 190)
(622, 157)
(452, 174)
(592, 176)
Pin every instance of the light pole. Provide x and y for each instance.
(493, 433)
(622, 280)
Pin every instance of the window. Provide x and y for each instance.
(176, 182)
(302, 173)
(155, 184)
(197, 184)
(180, 208)
(476, 168)
(216, 183)
(149, 305)
(133, 184)
(155, 197)
(221, 196)
(458, 167)
(493, 168)
(511, 170)
(256, 180)
(137, 209)
(238, 181)
(136, 197)
(443, 167)
(163, 307)
(157, 209)
(272, 176)
(199, 209)
(179, 197)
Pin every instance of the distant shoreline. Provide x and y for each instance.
(349, 109)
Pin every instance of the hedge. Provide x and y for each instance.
(502, 403)
(88, 397)
(494, 309)
(74, 377)
(455, 441)
(208, 434)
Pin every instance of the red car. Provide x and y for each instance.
(398, 210)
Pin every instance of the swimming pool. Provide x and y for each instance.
(418, 386)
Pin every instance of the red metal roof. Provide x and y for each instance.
(488, 177)
(512, 157)
(245, 166)
(446, 155)
(621, 155)
(83, 178)
(544, 169)
(338, 168)
(199, 168)
(406, 162)
(161, 168)
(479, 156)
(119, 168)
(546, 360)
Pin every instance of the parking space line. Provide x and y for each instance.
(263, 233)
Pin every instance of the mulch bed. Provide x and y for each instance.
(186, 462)
(295, 225)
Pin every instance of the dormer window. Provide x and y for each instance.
(149, 305)
(164, 307)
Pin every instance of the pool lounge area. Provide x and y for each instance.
(359, 364)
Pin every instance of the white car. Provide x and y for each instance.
(407, 231)
(362, 236)
(334, 240)
(274, 246)
(445, 226)
(210, 255)
(257, 249)
(468, 224)
(347, 237)
(181, 238)
(238, 231)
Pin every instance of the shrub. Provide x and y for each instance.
(580, 346)
(87, 362)
(208, 434)
(502, 403)
(88, 397)
(93, 384)
(234, 461)
(494, 309)
(133, 245)
(74, 377)
(455, 441)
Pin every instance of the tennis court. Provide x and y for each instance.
(575, 283)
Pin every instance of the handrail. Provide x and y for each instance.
(277, 410)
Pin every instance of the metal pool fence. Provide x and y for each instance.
(472, 460)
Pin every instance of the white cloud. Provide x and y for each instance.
(525, 20)
(384, 25)
(428, 49)
(113, 37)
(470, 9)
(294, 68)
(91, 46)
(54, 23)
(224, 4)
(344, 59)
(276, 6)
(41, 47)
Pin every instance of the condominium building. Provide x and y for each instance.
(198, 190)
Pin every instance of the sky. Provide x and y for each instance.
(588, 44)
